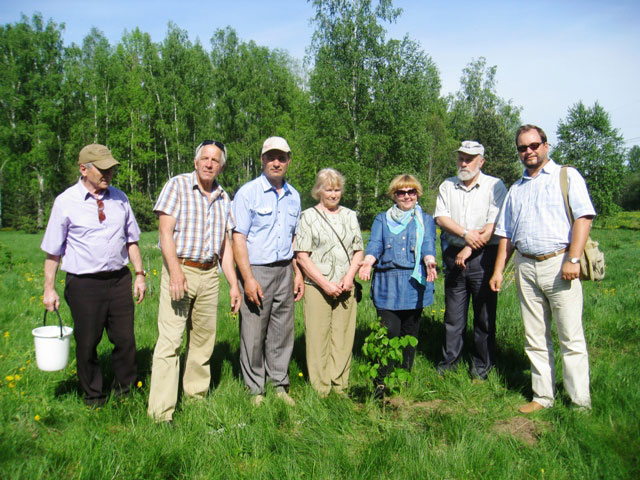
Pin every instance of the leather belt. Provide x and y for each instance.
(199, 265)
(281, 263)
(546, 256)
(103, 275)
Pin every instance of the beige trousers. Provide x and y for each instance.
(330, 326)
(543, 295)
(196, 313)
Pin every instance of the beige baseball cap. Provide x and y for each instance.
(275, 143)
(472, 148)
(98, 155)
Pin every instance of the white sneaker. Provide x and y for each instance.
(257, 400)
(284, 396)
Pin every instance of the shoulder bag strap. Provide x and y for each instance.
(564, 186)
(332, 229)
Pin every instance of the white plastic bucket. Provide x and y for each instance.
(52, 346)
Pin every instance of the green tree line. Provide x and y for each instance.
(362, 103)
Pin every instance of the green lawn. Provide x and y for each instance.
(435, 428)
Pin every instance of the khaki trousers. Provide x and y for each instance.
(197, 313)
(330, 326)
(543, 295)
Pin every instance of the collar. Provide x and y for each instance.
(548, 169)
(217, 189)
(266, 186)
(460, 184)
(84, 193)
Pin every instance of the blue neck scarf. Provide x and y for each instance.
(397, 221)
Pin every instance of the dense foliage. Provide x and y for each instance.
(362, 103)
(587, 141)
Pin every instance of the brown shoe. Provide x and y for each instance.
(530, 407)
(284, 396)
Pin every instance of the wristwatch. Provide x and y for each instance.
(143, 273)
(465, 233)
(574, 260)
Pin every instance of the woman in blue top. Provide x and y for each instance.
(403, 249)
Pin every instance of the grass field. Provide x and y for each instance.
(447, 428)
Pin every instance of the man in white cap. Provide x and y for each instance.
(266, 211)
(466, 211)
(93, 230)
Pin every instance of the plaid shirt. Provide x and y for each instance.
(200, 225)
(533, 215)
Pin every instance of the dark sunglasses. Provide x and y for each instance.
(533, 146)
(213, 142)
(402, 193)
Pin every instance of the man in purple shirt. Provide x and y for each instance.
(93, 230)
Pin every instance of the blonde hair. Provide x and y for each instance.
(404, 181)
(327, 177)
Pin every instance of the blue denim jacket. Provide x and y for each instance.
(392, 287)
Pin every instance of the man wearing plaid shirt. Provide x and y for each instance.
(194, 215)
(533, 221)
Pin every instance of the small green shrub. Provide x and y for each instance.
(381, 351)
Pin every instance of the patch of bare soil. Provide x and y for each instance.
(523, 429)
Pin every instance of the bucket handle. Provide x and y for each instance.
(44, 319)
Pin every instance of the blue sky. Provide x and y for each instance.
(549, 54)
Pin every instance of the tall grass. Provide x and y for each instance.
(436, 427)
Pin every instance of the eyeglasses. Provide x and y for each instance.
(101, 215)
(401, 193)
(220, 145)
(533, 146)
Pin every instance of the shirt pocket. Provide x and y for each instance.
(553, 196)
(263, 217)
(292, 220)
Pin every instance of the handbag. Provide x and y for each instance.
(357, 286)
(592, 263)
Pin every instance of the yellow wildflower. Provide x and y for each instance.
(155, 272)
(12, 384)
(300, 374)
(37, 418)
(9, 378)
(139, 384)
(6, 334)
(17, 377)
(22, 369)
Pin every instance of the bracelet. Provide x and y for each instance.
(143, 273)
(465, 233)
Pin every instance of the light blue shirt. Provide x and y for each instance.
(533, 215)
(269, 221)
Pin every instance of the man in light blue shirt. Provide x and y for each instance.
(267, 210)
(533, 221)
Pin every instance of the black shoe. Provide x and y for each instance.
(478, 374)
(95, 402)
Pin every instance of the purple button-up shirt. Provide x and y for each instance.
(74, 230)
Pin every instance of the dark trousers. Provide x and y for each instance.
(99, 301)
(459, 287)
(400, 323)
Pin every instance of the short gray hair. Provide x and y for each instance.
(327, 177)
(200, 147)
